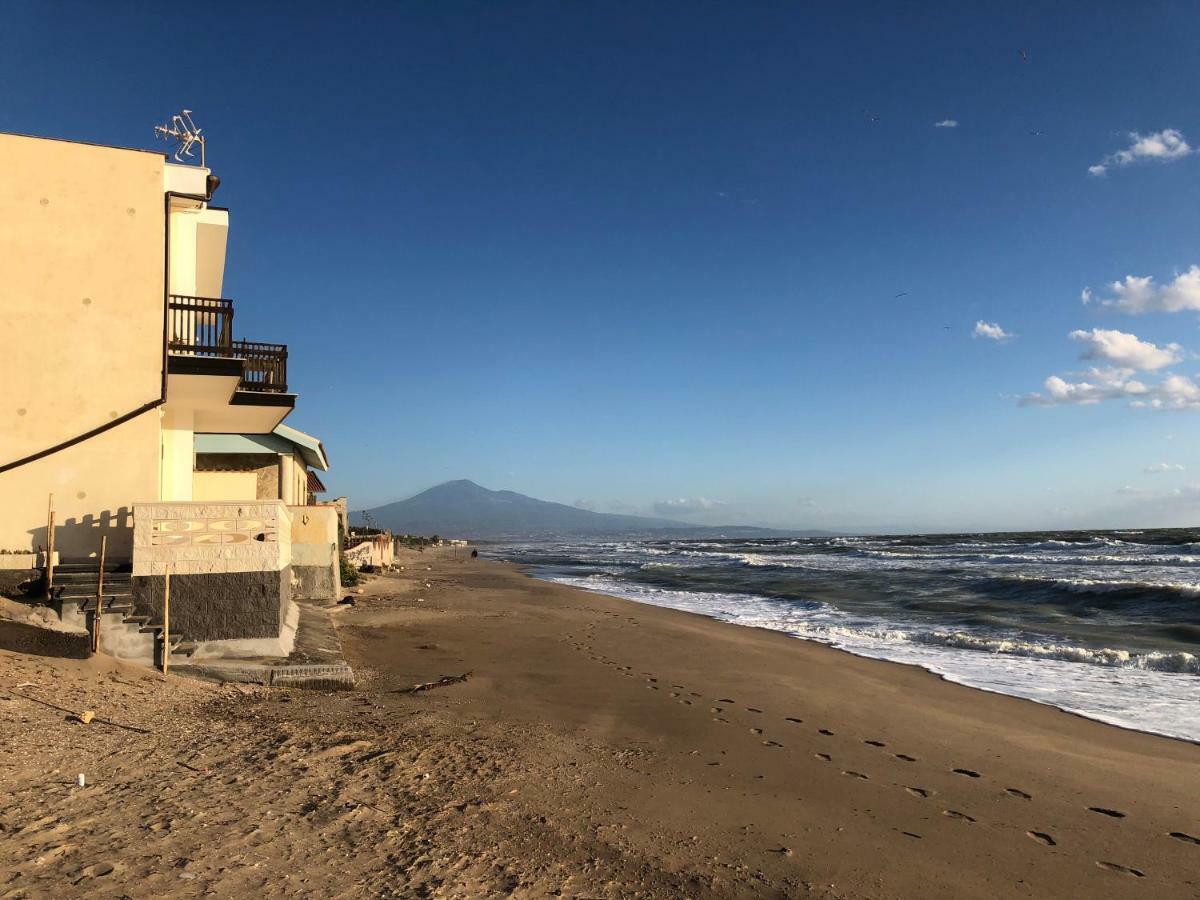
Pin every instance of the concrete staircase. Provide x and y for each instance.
(122, 634)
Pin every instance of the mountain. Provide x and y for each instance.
(464, 509)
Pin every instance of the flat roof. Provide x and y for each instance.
(42, 137)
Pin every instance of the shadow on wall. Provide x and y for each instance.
(79, 539)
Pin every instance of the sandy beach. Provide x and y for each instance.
(596, 748)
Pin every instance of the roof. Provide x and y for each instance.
(314, 483)
(282, 440)
(310, 447)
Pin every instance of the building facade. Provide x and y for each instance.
(128, 406)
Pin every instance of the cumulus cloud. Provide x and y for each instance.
(991, 331)
(1136, 295)
(1125, 350)
(946, 123)
(1162, 467)
(1162, 146)
(686, 505)
(1129, 489)
(1098, 385)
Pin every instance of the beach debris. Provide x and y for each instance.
(360, 591)
(347, 601)
(27, 684)
(441, 682)
(80, 780)
(86, 716)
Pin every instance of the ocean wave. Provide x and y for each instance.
(1101, 586)
(1153, 661)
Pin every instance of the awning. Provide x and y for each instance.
(310, 448)
(314, 483)
(282, 440)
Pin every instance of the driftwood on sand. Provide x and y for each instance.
(430, 685)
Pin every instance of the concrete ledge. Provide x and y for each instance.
(314, 677)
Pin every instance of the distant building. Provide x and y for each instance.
(127, 398)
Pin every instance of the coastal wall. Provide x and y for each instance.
(230, 567)
(81, 252)
(316, 573)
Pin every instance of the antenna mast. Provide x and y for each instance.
(186, 135)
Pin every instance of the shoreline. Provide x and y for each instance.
(514, 736)
(526, 570)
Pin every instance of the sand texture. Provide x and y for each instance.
(597, 748)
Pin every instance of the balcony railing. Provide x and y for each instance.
(266, 366)
(203, 326)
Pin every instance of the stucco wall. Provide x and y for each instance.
(316, 572)
(206, 538)
(81, 289)
(264, 467)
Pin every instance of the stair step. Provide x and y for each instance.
(137, 620)
(183, 648)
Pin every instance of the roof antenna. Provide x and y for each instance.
(185, 133)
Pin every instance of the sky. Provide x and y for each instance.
(849, 266)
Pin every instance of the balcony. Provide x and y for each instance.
(203, 326)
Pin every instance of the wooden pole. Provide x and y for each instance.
(50, 548)
(166, 651)
(99, 595)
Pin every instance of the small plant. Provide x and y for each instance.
(349, 573)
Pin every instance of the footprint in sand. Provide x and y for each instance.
(1016, 793)
(919, 792)
(1186, 838)
(717, 709)
(726, 700)
(911, 834)
(1112, 813)
(772, 744)
(875, 743)
(823, 756)
(905, 757)
(955, 814)
(790, 719)
(752, 709)
(969, 773)
(756, 731)
(825, 731)
(1042, 838)
(853, 774)
(1124, 870)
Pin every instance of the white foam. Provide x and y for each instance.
(1153, 692)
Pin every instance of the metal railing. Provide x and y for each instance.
(265, 368)
(203, 326)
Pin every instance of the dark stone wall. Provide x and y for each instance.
(22, 638)
(19, 582)
(314, 583)
(218, 606)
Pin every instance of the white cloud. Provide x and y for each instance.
(1098, 385)
(589, 505)
(946, 123)
(1126, 350)
(991, 331)
(806, 502)
(686, 505)
(1101, 384)
(1138, 295)
(1129, 489)
(1162, 146)
(1162, 467)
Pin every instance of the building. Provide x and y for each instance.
(129, 402)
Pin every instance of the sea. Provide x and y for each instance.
(1102, 624)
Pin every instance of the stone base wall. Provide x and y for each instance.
(219, 605)
(315, 583)
(19, 582)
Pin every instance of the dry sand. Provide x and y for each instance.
(598, 749)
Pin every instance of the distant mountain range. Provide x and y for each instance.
(463, 509)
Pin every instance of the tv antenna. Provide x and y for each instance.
(185, 133)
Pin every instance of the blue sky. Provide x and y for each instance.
(645, 256)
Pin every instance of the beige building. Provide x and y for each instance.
(122, 385)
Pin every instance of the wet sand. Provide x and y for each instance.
(597, 748)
